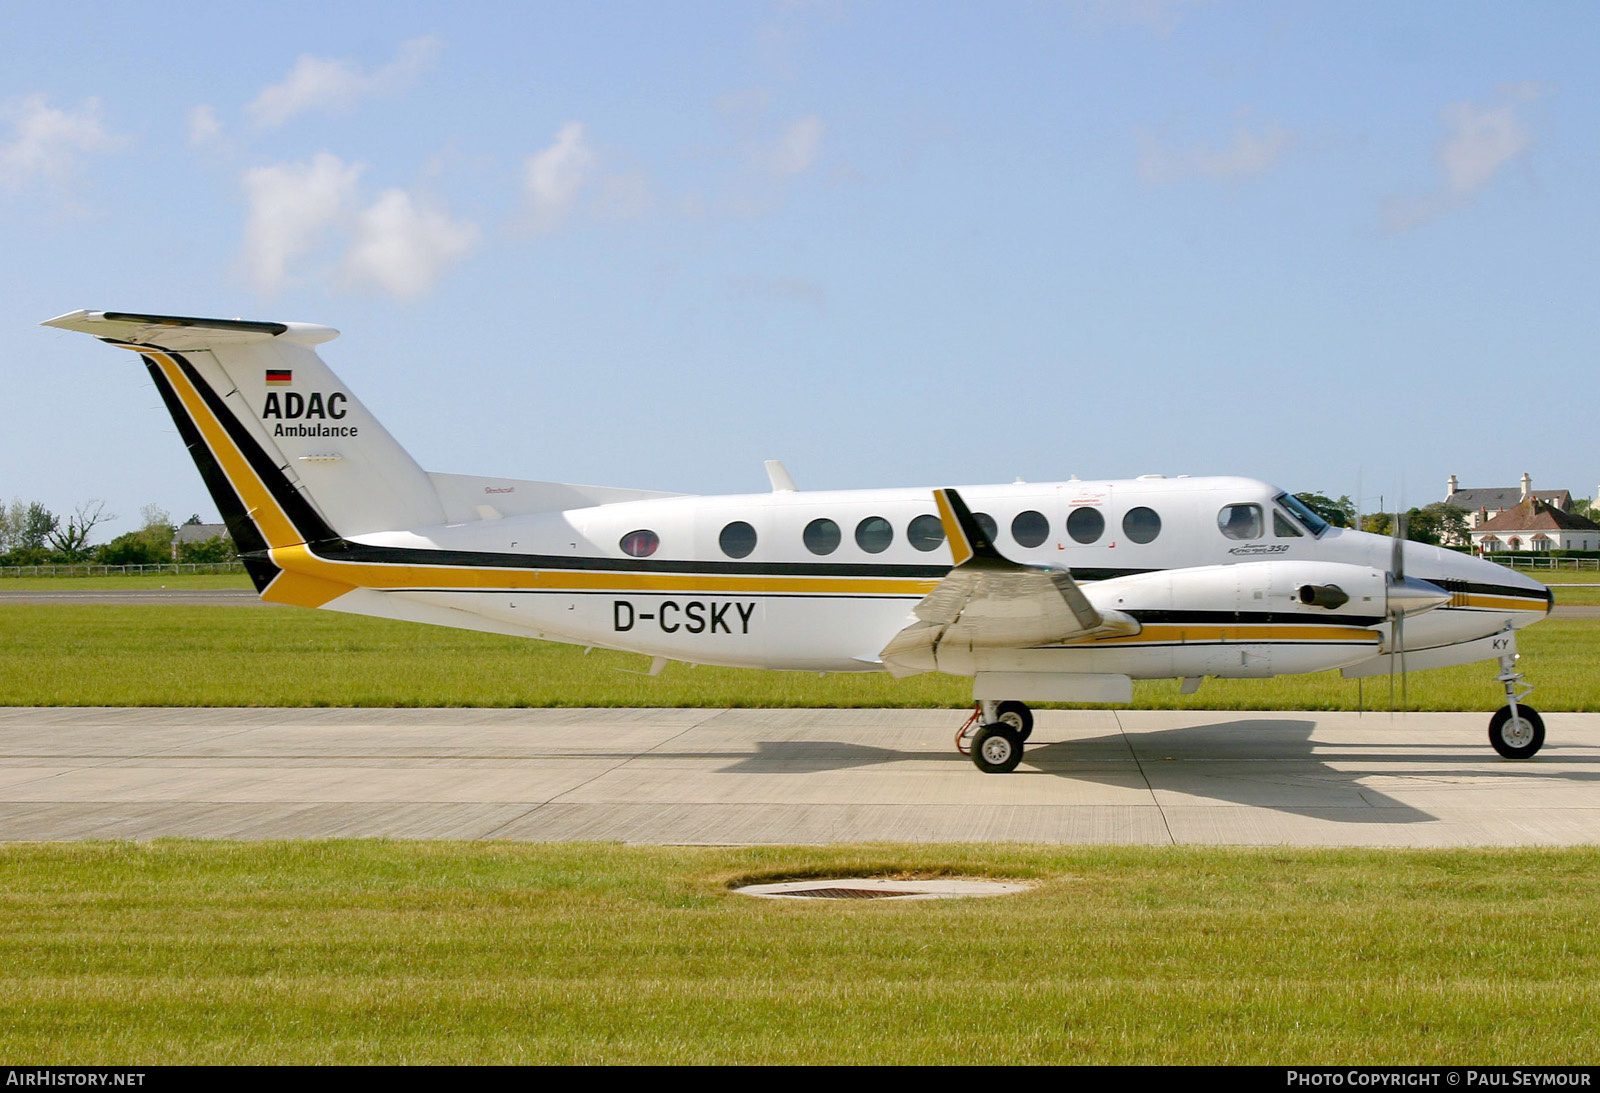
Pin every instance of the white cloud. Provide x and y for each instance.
(1248, 155)
(295, 208)
(309, 217)
(402, 248)
(204, 127)
(336, 86)
(795, 151)
(47, 142)
(553, 177)
(1478, 143)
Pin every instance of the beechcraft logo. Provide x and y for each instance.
(280, 377)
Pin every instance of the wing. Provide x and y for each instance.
(990, 601)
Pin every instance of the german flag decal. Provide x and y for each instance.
(280, 377)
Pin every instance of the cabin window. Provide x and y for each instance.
(737, 540)
(1030, 528)
(987, 525)
(874, 534)
(925, 533)
(1086, 525)
(821, 536)
(1283, 527)
(1141, 525)
(640, 544)
(1240, 521)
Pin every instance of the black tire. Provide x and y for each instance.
(1519, 738)
(1018, 716)
(997, 748)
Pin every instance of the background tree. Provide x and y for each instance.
(157, 530)
(218, 548)
(131, 548)
(71, 543)
(1438, 523)
(35, 525)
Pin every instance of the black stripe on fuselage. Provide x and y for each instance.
(328, 544)
(1230, 618)
(1473, 588)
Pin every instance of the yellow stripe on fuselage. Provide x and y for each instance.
(308, 580)
(1499, 603)
(1178, 633)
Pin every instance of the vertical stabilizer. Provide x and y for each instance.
(262, 386)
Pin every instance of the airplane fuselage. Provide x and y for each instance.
(1214, 600)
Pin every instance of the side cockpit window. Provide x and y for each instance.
(1313, 523)
(1283, 527)
(1241, 521)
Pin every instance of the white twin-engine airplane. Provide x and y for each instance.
(1054, 592)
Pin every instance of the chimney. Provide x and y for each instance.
(1527, 485)
(1450, 488)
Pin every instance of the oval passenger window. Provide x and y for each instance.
(874, 534)
(1086, 525)
(640, 544)
(925, 533)
(821, 536)
(1141, 524)
(737, 540)
(1030, 528)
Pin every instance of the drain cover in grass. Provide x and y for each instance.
(845, 888)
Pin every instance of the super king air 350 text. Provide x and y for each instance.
(1053, 592)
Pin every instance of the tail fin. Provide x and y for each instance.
(290, 456)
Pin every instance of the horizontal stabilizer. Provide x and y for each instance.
(182, 332)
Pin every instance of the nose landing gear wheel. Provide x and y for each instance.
(1018, 716)
(997, 748)
(1517, 737)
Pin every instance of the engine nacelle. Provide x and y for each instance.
(1310, 590)
(1250, 620)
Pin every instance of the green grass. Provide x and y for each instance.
(57, 655)
(196, 581)
(357, 952)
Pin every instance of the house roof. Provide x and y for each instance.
(199, 533)
(1504, 497)
(1534, 515)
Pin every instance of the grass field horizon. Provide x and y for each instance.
(71, 655)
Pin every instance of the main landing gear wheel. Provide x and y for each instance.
(1018, 716)
(1515, 737)
(997, 748)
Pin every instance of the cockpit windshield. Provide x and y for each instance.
(1314, 523)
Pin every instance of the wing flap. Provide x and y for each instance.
(988, 600)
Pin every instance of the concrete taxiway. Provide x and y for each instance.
(789, 776)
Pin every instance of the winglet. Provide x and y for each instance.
(967, 539)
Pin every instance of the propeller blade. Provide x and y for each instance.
(1397, 560)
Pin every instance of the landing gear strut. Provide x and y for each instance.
(996, 745)
(1516, 731)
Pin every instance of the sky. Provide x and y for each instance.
(1339, 246)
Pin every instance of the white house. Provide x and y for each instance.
(1485, 504)
(1532, 524)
